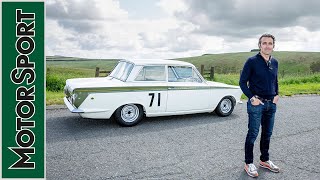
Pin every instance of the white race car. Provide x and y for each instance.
(138, 88)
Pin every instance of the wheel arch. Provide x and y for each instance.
(234, 101)
(138, 104)
(219, 112)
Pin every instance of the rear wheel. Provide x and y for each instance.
(129, 114)
(225, 107)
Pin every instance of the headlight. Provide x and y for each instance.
(74, 96)
(65, 90)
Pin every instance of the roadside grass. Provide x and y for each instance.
(288, 85)
(294, 66)
(56, 76)
(54, 98)
(233, 79)
(305, 88)
(56, 79)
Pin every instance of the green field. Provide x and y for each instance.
(290, 62)
(89, 64)
(295, 76)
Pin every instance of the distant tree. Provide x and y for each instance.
(315, 67)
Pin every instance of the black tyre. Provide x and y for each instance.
(225, 107)
(128, 115)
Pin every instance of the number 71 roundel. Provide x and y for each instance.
(152, 97)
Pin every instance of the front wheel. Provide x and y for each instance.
(225, 107)
(129, 114)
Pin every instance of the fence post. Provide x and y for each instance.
(282, 74)
(212, 73)
(97, 72)
(202, 70)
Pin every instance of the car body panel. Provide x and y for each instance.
(99, 97)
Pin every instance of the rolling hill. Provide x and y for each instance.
(290, 62)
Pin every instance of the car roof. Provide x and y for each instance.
(157, 62)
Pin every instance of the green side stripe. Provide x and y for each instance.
(122, 89)
(146, 88)
(82, 93)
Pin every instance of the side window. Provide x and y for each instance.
(172, 77)
(183, 74)
(151, 73)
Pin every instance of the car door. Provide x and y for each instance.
(186, 90)
(153, 80)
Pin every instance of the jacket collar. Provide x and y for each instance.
(270, 58)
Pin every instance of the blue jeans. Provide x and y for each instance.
(264, 115)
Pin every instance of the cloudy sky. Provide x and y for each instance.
(177, 28)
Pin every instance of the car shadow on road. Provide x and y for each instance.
(66, 128)
(186, 120)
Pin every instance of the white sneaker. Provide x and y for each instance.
(251, 170)
(269, 165)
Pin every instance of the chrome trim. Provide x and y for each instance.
(130, 113)
(71, 108)
(226, 105)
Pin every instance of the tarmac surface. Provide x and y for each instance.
(200, 146)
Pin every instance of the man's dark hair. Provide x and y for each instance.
(267, 35)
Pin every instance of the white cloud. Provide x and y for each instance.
(102, 29)
(85, 10)
(57, 39)
(171, 8)
(124, 38)
(297, 39)
(247, 18)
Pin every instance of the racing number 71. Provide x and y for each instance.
(152, 97)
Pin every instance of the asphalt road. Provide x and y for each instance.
(201, 146)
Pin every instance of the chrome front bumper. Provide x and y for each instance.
(70, 106)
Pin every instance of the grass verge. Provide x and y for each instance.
(53, 98)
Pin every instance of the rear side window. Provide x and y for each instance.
(182, 74)
(151, 73)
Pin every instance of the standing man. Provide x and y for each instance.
(259, 82)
